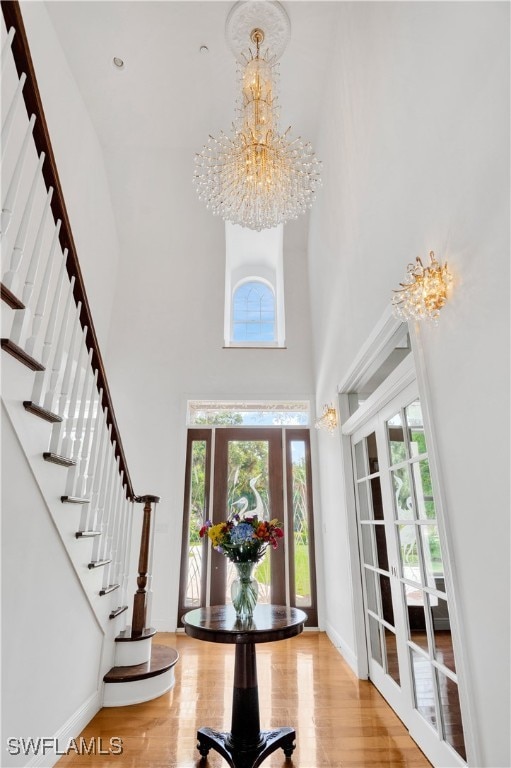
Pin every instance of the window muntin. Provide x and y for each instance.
(253, 313)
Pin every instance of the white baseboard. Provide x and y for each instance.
(345, 651)
(70, 730)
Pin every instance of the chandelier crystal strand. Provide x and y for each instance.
(257, 177)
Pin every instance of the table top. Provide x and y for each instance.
(218, 624)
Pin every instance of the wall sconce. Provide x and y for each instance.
(328, 420)
(424, 293)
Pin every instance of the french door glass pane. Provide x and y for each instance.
(415, 425)
(247, 478)
(301, 524)
(372, 453)
(424, 687)
(423, 490)
(371, 591)
(196, 518)
(386, 599)
(367, 543)
(364, 501)
(433, 564)
(403, 502)
(396, 439)
(381, 547)
(376, 498)
(444, 652)
(248, 495)
(375, 640)
(391, 652)
(360, 461)
(409, 552)
(451, 714)
(417, 623)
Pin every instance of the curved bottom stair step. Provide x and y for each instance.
(141, 682)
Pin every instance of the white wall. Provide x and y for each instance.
(80, 164)
(51, 641)
(166, 342)
(162, 334)
(416, 145)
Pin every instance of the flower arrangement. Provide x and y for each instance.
(243, 539)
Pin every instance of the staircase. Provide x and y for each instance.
(55, 393)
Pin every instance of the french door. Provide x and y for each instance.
(408, 633)
(257, 471)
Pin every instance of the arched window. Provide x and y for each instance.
(253, 313)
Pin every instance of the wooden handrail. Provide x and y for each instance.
(32, 98)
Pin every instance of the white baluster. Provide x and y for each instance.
(108, 510)
(92, 467)
(49, 398)
(118, 534)
(59, 429)
(12, 191)
(127, 552)
(22, 316)
(7, 45)
(40, 378)
(100, 480)
(71, 418)
(11, 279)
(9, 118)
(94, 475)
(104, 492)
(41, 302)
(79, 436)
(123, 537)
(112, 522)
(86, 447)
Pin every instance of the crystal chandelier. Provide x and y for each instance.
(256, 176)
(424, 293)
(328, 420)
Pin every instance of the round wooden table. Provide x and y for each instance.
(246, 746)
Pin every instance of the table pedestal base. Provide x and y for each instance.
(243, 757)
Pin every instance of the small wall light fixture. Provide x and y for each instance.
(328, 420)
(424, 293)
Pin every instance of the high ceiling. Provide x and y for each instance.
(169, 96)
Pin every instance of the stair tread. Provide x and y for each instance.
(55, 458)
(8, 296)
(162, 659)
(118, 611)
(20, 355)
(126, 637)
(107, 590)
(38, 410)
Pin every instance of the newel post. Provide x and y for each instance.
(140, 599)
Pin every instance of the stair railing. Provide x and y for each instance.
(53, 332)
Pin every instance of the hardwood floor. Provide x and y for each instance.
(341, 722)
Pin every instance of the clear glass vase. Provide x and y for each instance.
(244, 590)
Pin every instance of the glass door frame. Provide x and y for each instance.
(219, 510)
(282, 559)
(412, 369)
(397, 694)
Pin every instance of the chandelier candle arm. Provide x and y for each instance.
(257, 177)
